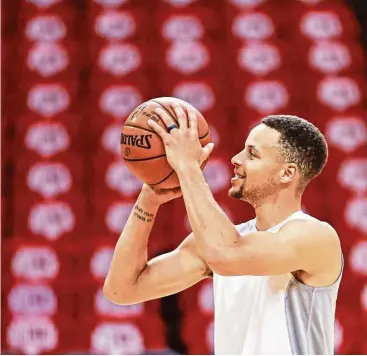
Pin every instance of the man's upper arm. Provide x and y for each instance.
(298, 245)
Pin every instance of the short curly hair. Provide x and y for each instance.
(301, 143)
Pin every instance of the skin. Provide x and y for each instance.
(308, 249)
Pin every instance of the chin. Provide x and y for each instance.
(235, 194)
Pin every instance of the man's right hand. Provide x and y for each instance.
(160, 196)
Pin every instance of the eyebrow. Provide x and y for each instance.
(253, 148)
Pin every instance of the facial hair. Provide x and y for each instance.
(254, 195)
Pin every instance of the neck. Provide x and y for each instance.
(274, 211)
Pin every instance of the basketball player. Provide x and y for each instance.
(276, 277)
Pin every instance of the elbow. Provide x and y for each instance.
(215, 259)
(120, 296)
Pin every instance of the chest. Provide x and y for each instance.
(232, 292)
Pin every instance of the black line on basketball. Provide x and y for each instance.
(157, 102)
(143, 159)
(141, 128)
(173, 171)
(167, 111)
(200, 138)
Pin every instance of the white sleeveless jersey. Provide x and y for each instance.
(257, 315)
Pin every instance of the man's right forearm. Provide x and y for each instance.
(130, 255)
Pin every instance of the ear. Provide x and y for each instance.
(289, 173)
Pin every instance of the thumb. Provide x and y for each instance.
(207, 150)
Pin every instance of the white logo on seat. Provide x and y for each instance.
(51, 220)
(120, 100)
(187, 57)
(259, 58)
(100, 262)
(35, 263)
(47, 58)
(49, 179)
(33, 335)
(120, 59)
(356, 213)
(266, 96)
(117, 216)
(346, 132)
(48, 99)
(353, 174)
(183, 28)
(114, 25)
(47, 139)
(253, 26)
(28, 299)
(339, 93)
(111, 139)
(45, 28)
(329, 57)
(117, 339)
(119, 177)
(321, 25)
(198, 94)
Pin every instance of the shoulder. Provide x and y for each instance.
(310, 231)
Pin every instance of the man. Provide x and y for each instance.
(276, 277)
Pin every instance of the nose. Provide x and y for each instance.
(236, 161)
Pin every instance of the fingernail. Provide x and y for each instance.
(157, 110)
(150, 121)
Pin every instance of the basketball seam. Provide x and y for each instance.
(167, 111)
(200, 138)
(143, 159)
(142, 128)
(164, 178)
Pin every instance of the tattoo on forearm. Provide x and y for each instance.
(142, 214)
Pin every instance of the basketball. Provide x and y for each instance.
(142, 148)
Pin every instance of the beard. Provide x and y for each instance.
(255, 195)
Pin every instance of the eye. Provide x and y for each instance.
(251, 155)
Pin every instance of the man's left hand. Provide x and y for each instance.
(182, 143)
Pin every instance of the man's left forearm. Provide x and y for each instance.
(210, 225)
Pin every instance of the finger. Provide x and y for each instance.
(193, 120)
(166, 118)
(180, 115)
(207, 150)
(159, 130)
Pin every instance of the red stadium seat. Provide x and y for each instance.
(45, 139)
(191, 60)
(332, 22)
(31, 335)
(347, 133)
(114, 61)
(48, 27)
(189, 24)
(332, 58)
(253, 26)
(73, 75)
(96, 6)
(48, 179)
(54, 221)
(197, 333)
(50, 61)
(335, 95)
(38, 262)
(113, 177)
(262, 60)
(112, 25)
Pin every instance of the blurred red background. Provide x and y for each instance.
(72, 72)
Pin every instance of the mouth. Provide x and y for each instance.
(237, 177)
